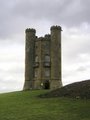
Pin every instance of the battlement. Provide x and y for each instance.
(30, 30)
(41, 38)
(47, 36)
(56, 28)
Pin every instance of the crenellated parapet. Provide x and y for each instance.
(56, 27)
(30, 30)
(47, 36)
(41, 38)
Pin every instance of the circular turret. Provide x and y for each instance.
(55, 53)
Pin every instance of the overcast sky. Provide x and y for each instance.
(17, 15)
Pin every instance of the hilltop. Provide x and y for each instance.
(74, 90)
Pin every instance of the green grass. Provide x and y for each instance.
(27, 106)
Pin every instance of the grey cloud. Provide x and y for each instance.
(15, 15)
(74, 44)
(71, 12)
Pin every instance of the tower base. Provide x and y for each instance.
(54, 84)
(28, 85)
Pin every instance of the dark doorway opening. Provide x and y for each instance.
(47, 84)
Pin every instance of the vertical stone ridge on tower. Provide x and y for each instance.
(29, 58)
(55, 57)
(43, 60)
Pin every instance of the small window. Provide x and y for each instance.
(46, 64)
(36, 58)
(47, 58)
(47, 61)
(36, 64)
(47, 72)
(36, 73)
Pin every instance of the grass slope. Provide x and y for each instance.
(27, 106)
(74, 90)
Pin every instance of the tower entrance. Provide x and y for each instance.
(47, 84)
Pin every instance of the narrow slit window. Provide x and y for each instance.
(36, 58)
(36, 73)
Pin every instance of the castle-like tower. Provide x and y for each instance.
(43, 60)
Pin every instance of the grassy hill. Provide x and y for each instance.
(27, 106)
(74, 90)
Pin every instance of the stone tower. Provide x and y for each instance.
(43, 60)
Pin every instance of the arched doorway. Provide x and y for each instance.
(46, 84)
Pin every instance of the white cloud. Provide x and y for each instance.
(11, 66)
(76, 55)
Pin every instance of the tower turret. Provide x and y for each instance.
(29, 58)
(55, 57)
